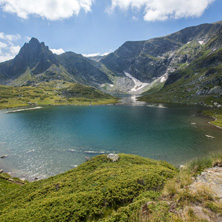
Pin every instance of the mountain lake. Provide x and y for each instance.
(44, 142)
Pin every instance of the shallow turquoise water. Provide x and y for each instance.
(44, 142)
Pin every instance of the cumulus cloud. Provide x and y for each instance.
(57, 51)
(9, 37)
(8, 46)
(160, 10)
(49, 9)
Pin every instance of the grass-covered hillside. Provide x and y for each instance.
(52, 93)
(133, 189)
(98, 189)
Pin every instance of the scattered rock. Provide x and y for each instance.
(215, 90)
(211, 137)
(217, 105)
(113, 157)
(87, 158)
(182, 167)
(218, 165)
(10, 179)
(4, 156)
(22, 179)
(1, 171)
(210, 178)
(57, 187)
(200, 213)
(141, 182)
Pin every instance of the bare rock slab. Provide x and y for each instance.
(211, 178)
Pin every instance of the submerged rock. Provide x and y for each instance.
(113, 157)
(4, 156)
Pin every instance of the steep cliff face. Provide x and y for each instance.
(197, 82)
(151, 59)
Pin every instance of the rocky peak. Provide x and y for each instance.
(33, 55)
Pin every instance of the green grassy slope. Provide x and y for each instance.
(131, 189)
(52, 93)
(92, 191)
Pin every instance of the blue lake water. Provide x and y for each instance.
(44, 142)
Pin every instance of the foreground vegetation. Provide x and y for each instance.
(52, 93)
(131, 189)
(92, 191)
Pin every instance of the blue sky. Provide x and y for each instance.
(96, 26)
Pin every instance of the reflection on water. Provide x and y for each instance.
(131, 100)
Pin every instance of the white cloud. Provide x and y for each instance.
(96, 54)
(49, 9)
(9, 37)
(57, 51)
(3, 45)
(10, 53)
(8, 46)
(14, 50)
(160, 10)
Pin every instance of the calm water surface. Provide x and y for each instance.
(44, 142)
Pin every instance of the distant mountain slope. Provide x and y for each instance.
(36, 63)
(135, 67)
(151, 59)
(33, 55)
(83, 69)
(200, 82)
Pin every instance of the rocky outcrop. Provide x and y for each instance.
(210, 179)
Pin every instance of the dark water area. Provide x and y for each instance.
(48, 141)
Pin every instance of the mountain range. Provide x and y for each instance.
(188, 62)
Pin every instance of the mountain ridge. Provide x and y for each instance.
(146, 61)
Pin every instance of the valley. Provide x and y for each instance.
(62, 116)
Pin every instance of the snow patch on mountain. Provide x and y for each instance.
(138, 84)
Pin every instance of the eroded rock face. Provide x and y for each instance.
(210, 178)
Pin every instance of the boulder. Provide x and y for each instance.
(113, 157)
